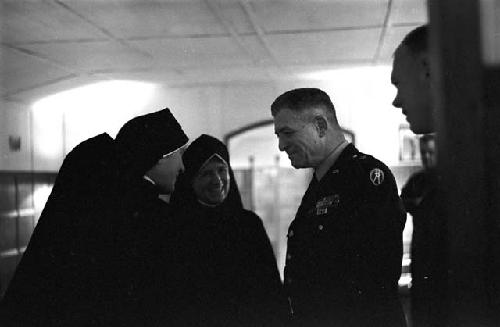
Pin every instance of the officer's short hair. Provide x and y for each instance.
(417, 40)
(303, 99)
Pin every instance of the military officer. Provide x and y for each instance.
(345, 244)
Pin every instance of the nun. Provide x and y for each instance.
(229, 272)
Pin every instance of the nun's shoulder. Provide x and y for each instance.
(250, 218)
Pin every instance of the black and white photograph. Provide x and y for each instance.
(249, 163)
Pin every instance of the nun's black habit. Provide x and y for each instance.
(229, 272)
(93, 257)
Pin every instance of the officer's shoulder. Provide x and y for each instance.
(370, 169)
(365, 162)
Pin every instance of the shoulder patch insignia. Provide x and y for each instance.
(376, 176)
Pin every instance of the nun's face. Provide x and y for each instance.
(166, 170)
(211, 184)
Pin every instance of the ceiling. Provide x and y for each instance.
(52, 45)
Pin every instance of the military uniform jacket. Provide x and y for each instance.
(428, 249)
(345, 247)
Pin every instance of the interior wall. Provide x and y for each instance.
(46, 136)
(361, 107)
(15, 123)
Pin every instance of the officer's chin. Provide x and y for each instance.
(297, 165)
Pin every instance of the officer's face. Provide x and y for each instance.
(166, 170)
(211, 184)
(298, 137)
(410, 75)
(428, 154)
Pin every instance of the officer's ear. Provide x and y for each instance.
(321, 125)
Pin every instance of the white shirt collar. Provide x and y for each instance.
(321, 170)
(149, 180)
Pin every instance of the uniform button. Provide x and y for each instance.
(288, 256)
(321, 227)
(289, 280)
(291, 233)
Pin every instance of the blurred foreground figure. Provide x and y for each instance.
(93, 257)
(345, 244)
(411, 75)
(230, 276)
